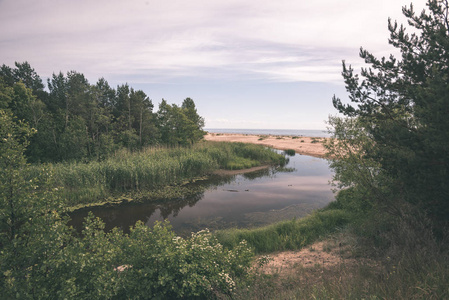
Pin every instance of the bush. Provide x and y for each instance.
(147, 263)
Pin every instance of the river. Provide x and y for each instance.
(244, 201)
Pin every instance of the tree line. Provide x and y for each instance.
(76, 120)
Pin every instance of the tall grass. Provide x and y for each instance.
(153, 168)
(287, 235)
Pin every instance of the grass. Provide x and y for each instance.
(152, 169)
(287, 235)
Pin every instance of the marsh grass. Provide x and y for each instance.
(287, 235)
(153, 169)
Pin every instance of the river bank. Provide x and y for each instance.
(312, 146)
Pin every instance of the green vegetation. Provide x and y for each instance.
(400, 111)
(390, 158)
(287, 235)
(43, 257)
(397, 260)
(151, 169)
(290, 152)
(389, 155)
(97, 157)
(79, 121)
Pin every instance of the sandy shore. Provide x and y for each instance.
(303, 145)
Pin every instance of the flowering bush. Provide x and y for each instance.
(149, 263)
(167, 266)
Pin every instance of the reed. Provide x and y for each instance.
(153, 168)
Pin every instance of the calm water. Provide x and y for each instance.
(247, 200)
(291, 132)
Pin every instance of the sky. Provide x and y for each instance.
(259, 64)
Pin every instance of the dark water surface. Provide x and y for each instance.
(247, 200)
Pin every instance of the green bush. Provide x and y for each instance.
(147, 263)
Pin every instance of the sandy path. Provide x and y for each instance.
(303, 145)
(311, 256)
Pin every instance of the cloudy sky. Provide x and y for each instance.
(271, 64)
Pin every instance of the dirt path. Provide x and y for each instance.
(303, 145)
(320, 254)
(329, 254)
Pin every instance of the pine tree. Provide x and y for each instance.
(404, 104)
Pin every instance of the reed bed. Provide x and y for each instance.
(153, 168)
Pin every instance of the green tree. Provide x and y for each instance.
(6, 94)
(144, 121)
(14, 187)
(179, 125)
(22, 73)
(189, 109)
(403, 105)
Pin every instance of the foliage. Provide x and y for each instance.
(180, 125)
(175, 267)
(42, 257)
(14, 186)
(147, 263)
(76, 120)
(401, 107)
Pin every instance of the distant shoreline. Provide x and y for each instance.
(311, 146)
(274, 132)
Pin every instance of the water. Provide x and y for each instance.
(244, 201)
(289, 132)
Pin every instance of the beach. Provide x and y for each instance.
(312, 146)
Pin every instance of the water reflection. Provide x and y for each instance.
(246, 200)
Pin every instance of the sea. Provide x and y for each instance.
(289, 132)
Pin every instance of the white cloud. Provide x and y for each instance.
(277, 40)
